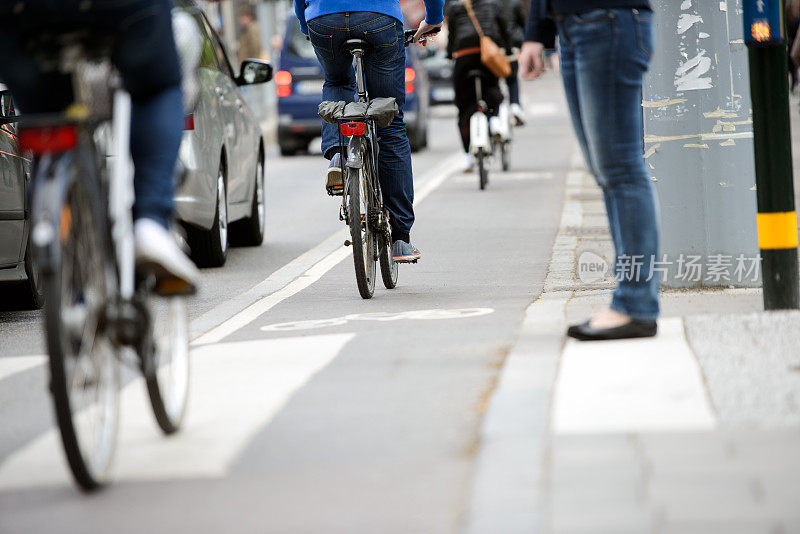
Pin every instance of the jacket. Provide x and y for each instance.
(494, 17)
(542, 29)
(310, 9)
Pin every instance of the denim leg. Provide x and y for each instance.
(611, 49)
(568, 76)
(387, 79)
(156, 133)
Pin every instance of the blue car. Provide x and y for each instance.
(299, 86)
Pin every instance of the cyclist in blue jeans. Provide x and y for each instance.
(327, 24)
(145, 55)
(605, 48)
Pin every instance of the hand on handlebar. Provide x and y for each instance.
(424, 29)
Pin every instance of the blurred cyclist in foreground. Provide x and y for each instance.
(328, 24)
(145, 55)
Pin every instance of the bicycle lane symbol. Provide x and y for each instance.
(415, 315)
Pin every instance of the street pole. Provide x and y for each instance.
(769, 89)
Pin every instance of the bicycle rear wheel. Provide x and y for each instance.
(361, 231)
(483, 170)
(165, 360)
(78, 286)
(505, 156)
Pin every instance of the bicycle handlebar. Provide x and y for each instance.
(412, 32)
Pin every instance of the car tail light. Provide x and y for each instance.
(410, 88)
(45, 139)
(188, 122)
(411, 75)
(350, 129)
(283, 78)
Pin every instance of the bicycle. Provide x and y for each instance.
(484, 144)
(98, 311)
(362, 201)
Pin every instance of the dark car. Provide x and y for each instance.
(440, 74)
(19, 281)
(299, 85)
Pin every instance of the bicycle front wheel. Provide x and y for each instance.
(165, 359)
(361, 230)
(389, 269)
(84, 379)
(483, 170)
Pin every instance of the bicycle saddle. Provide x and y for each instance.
(351, 45)
(476, 73)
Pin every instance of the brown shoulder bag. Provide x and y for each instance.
(492, 55)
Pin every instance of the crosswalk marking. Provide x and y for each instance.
(236, 389)
(631, 386)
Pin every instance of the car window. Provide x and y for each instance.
(219, 50)
(208, 58)
(297, 44)
(7, 108)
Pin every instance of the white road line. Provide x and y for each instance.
(438, 175)
(17, 364)
(236, 390)
(649, 385)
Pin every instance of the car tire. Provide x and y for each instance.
(249, 232)
(210, 247)
(27, 295)
(288, 150)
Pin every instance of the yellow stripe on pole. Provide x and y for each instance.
(777, 230)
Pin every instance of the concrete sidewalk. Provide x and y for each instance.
(694, 431)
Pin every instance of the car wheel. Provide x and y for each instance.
(210, 247)
(249, 232)
(27, 295)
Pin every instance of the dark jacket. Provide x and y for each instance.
(518, 21)
(540, 27)
(495, 20)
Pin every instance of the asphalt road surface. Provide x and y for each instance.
(311, 409)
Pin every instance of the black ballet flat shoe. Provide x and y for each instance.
(630, 330)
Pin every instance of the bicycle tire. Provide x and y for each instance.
(166, 364)
(389, 269)
(81, 222)
(483, 171)
(362, 236)
(505, 160)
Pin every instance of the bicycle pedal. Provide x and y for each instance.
(174, 287)
(335, 191)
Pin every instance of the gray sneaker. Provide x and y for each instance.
(403, 252)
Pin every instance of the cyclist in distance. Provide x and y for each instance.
(328, 24)
(464, 45)
(144, 54)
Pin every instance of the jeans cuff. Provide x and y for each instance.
(400, 235)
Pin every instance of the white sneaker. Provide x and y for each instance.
(469, 162)
(158, 253)
(496, 127)
(519, 115)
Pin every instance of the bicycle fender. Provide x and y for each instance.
(354, 152)
(50, 184)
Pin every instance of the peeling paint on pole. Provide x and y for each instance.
(699, 136)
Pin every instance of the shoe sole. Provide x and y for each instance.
(413, 258)
(334, 184)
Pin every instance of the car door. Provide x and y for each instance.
(12, 187)
(240, 158)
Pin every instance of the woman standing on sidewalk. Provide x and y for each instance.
(605, 48)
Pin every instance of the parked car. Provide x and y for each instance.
(299, 86)
(221, 199)
(19, 280)
(440, 73)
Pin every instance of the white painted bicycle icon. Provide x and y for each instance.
(416, 315)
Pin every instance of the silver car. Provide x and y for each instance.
(19, 281)
(221, 198)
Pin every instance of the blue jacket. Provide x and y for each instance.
(311, 9)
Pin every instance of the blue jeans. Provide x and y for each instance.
(146, 58)
(604, 55)
(384, 70)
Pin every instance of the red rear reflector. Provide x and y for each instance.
(188, 122)
(284, 90)
(411, 75)
(48, 139)
(350, 129)
(283, 77)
